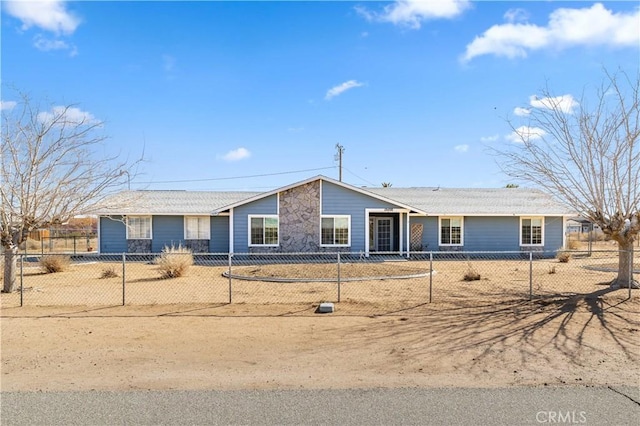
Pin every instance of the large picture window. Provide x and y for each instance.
(139, 227)
(263, 230)
(451, 231)
(197, 228)
(335, 231)
(531, 231)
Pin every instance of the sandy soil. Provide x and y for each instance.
(592, 340)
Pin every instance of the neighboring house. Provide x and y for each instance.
(581, 225)
(322, 214)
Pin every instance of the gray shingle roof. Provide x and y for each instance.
(475, 201)
(171, 202)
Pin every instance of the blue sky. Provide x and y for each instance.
(214, 92)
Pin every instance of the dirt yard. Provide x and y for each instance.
(183, 333)
(592, 340)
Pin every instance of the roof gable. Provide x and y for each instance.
(312, 179)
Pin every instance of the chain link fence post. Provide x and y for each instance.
(124, 277)
(530, 275)
(230, 279)
(630, 270)
(21, 280)
(338, 276)
(430, 275)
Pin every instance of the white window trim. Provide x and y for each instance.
(336, 216)
(541, 230)
(262, 216)
(207, 220)
(140, 217)
(440, 243)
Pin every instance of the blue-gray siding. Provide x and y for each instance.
(113, 235)
(500, 233)
(264, 206)
(219, 242)
(167, 231)
(338, 200)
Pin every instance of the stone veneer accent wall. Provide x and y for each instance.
(139, 246)
(300, 218)
(197, 246)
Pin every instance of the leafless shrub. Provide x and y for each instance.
(174, 261)
(563, 257)
(471, 274)
(109, 272)
(53, 263)
(574, 245)
(552, 269)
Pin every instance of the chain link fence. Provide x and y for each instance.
(72, 244)
(384, 281)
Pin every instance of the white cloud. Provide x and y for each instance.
(411, 13)
(492, 138)
(45, 45)
(67, 115)
(461, 148)
(594, 26)
(521, 112)
(526, 133)
(516, 15)
(7, 105)
(49, 15)
(237, 154)
(341, 88)
(564, 103)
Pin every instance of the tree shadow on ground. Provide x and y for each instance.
(577, 328)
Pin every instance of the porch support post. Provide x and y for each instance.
(366, 232)
(408, 236)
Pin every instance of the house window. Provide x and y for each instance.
(335, 231)
(263, 230)
(531, 231)
(139, 227)
(197, 228)
(450, 231)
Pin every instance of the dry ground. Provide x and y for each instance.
(384, 333)
(591, 340)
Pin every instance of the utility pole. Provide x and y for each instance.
(338, 157)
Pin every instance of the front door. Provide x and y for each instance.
(381, 233)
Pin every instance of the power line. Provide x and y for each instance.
(361, 178)
(234, 177)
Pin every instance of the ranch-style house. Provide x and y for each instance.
(321, 214)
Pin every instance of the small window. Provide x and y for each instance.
(335, 231)
(451, 231)
(139, 227)
(263, 230)
(531, 231)
(197, 228)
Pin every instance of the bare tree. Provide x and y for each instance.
(387, 184)
(51, 169)
(586, 152)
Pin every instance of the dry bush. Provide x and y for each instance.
(574, 245)
(471, 274)
(563, 257)
(174, 261)
(53, 263)
(552, 269)
(109, 272)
